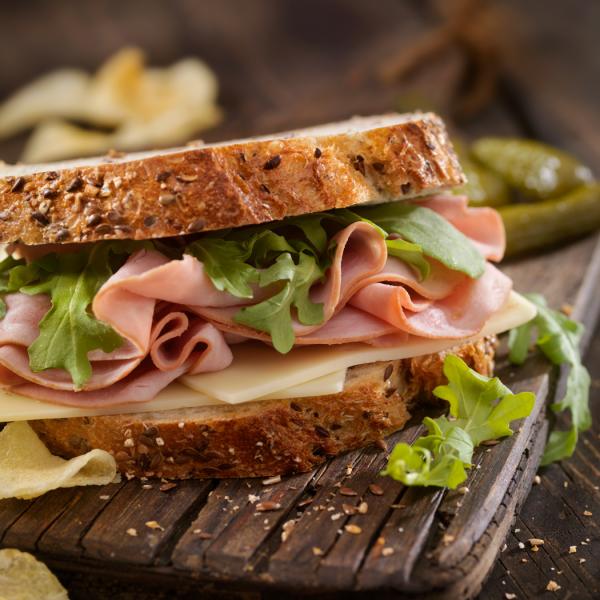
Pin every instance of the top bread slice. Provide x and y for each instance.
(215, 186)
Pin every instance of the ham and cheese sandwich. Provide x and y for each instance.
(247, 308)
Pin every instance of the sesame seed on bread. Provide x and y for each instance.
(210, 187)
(264, 438)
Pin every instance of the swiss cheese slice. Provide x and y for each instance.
(260, 372)
(258, 369)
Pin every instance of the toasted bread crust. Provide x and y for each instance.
(214, 187)
(263, 438)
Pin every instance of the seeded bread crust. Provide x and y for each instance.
(186, 190)
(261, 439)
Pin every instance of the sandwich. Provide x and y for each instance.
(247, 308)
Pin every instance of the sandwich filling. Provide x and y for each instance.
(117, 321)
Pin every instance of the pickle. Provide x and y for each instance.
(537, 170)
(483, 187)
(536, 225)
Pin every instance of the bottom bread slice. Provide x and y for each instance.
(264, 438)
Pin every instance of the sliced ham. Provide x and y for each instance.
(174, 320)
(462, 314)
(482, 225)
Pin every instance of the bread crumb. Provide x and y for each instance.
(267, 505)
(537, 480)
(553, 586)
(581, 561)
(388, 551)
(159, 441)
(572, 549)
(567, 309)
(536, 541)
(132, 532)
(104, 497)
(521, 545)
(272, 480)
(181, 425)
(154, 525)
(317, 551)
(587, 513)
(336, 516)
(287, 529)
(463, 490)
(253, 498)
(353, 529)
(510, 596)
(447, 539)
(128, 443)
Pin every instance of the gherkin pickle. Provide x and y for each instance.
(537, 170)
(536, 225)
(483, 187)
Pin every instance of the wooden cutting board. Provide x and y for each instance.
(409, 540)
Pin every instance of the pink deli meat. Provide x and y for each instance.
(174, 321)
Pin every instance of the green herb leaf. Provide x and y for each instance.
(68, 331)
(472, 399)
(273, 315)
(558, 338)
(481, 408)
(411, 254)
(436, 237)
(225, 264)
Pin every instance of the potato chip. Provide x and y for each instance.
(53, 140)
(63, 93)
(147, 108)
(28, 470)
(22, 577)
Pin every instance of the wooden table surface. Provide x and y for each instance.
(289, 64)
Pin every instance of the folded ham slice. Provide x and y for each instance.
(173, 320)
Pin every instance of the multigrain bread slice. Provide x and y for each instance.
(264, 438)
(209, 187)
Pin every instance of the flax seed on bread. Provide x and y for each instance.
(210, 187)
(264, 438)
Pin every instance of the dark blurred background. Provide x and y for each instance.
(287, 63)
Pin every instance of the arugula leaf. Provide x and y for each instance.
(225, 264)
(481, 408)
(411, 254)
(68, 331)
(436, 237)
(273, 315)
(558, 338)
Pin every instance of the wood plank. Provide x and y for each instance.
(213, 518)
(338, 568)
(10, 510)
(132, 508)
(64, 536)
(405, 532)
(27, 529)
(488, 482)
(232, 551)
(296, 562)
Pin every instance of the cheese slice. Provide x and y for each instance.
(14, 407)
(258, 369)
(260, 372)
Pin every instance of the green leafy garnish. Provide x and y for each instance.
(436, 237)
(68, 331)
(481, 408)
(273, 315)
(225, 264)
(558, 338)
(411, 254)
